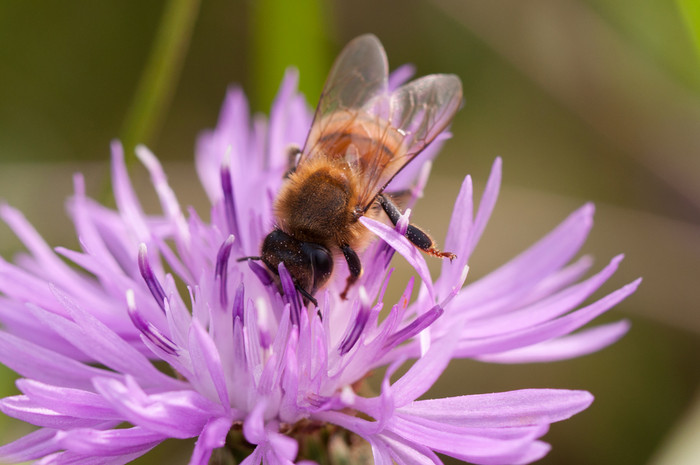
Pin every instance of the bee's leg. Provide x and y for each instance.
(306, 295)
(293, 152)
(417, 236)
(354, 265)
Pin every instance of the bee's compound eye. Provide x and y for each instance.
(321, 262)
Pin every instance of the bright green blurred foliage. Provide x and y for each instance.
(690, 10)
(160, 75)
(287, 34)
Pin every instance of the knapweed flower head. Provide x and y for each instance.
(155, 330)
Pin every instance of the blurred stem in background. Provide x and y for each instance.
(287, 34)
(690, 10)
(160, 75)
(681, 446)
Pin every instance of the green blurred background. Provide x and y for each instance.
(584, 100)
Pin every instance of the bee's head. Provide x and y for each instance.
(309, 264)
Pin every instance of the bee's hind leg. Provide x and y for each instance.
(417, 236)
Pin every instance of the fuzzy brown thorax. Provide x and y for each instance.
(317, 204)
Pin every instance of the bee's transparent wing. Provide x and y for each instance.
(375, 131)
(358, 76)
(418, 112)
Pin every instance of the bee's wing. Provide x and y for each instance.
(375, 131)
(358, 76)
(417, 113)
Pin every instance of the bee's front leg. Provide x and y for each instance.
(417, 236)
(355, 267)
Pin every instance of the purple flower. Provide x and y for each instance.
(86, 328)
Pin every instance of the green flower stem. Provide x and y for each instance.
(287, 34)
(160, 75)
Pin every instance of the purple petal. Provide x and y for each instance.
(232, 128)
(254, 424)
(544, 310)
(94, 338)
(178, 414)
(18, 321)
(71, 458)
(168, 201)
(545, 331)
(415, 327)
(91, 239)
(566, 347)
(238, 303)
(253, 344)
(460, 228)
(282, 449)
(30, 447)
(463, 443)
(462, 217)
(385, 412)
(503, 409)
(558, 280)
(510, 282)
(22, 408)
(406, 453)
(22, 286)
(213, 436)
(402, 246)
(425, 371)
(290, 120)
(352, 423)
(172, 259)
(104, 306)
(35, 362)
(110, 442)
(117, 236)
(356, 367)
(67, 401)
(207, 364)
(380, 452)
(50, 264)
(535, 452)
(124, 195)
(254, 458)
(401, 75)
(486, 206)
(31, 286)
(288, 409)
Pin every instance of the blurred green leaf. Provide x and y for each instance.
(7, 388)
(160, 75)
(690, 10)
(287, 34)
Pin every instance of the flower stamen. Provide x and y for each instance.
(222, 268)
(150, 278)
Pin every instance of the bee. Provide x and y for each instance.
(362, 136)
